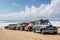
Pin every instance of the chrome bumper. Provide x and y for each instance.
(50, 31)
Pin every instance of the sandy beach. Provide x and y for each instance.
(23, 35)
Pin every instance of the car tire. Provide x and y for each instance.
(55, 32)
(34, 30)
(26, 30)
(42, 32)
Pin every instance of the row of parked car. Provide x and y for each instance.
(43, 26)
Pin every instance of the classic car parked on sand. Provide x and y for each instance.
(12, 26)
(29, 26)
(22, 26)
(44, 26)
(6, 27)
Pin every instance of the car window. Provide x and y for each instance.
(44, 22)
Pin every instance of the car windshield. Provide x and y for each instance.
(44, 22)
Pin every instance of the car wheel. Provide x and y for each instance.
(34, 30)
(26, 30)
(55, 32)
(42, 32)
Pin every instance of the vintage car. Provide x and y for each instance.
(44, 26)
(29, 26)
(22, 26)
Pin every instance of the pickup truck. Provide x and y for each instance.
(44, 26)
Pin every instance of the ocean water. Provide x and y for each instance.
(3, 24)
(55, 23)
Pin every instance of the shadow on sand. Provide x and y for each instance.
(49, 33)
(52, 34)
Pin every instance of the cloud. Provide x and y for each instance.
(15, 4)
(50, 11)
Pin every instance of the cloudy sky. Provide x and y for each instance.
(29, 9)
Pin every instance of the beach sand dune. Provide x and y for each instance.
(23, 35)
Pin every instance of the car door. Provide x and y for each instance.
(37, 26)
